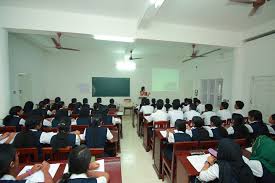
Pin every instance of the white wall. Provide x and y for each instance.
(26, 58)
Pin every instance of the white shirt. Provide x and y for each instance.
(147, 109)
(185, 108)
(159, 115)
(224, 114)
(249, 127)
(45, 137)
(109, 135)
(239, 111)
(10, 177)
(212, 172)
(171, 138)
(190, 114)
(200, 108)
(270, 129)
(173, 116)
(84, 176)
(209, 129)
(206, 116)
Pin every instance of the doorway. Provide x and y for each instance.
(24, 87)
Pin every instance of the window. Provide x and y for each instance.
(211, 91)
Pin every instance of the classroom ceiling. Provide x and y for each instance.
(217, 14)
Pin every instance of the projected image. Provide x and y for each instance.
(165, 79)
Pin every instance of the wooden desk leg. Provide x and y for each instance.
(181, 175)
(145, 138)
(133, 117)
(157, 157)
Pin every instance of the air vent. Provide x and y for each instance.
(260, 36)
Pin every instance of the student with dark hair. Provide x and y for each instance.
(228, 167)
(56, 105)
(198, 133)
(101, 107)
(186, 104)
(112, 104)
(271, 125)
(175, 114)
(81, 169)
(85, 103)
(256, 125)
(64, 138)
(28, 107)
(208, 114)
(142, 103)
(238, 130)
(84, 117)
(77, 108)
(167, 104)
(188, 115)
(9, 164)
(14, 119)
(239, 108)
(177, 135)
(153, 101)
(224, 113)
(61, 115)
(200, 108)
(146, 109)
(159, 115)
(71, 106)
(217, 129)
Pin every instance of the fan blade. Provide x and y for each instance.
(187, 60)
(253, 11)
(243, 1)
(71, 49)
(210, 52)
(55, 42)
(136, 58)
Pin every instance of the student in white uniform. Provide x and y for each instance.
(175, 113)
(229, 165)
(159, 115)
(200, 107)
(186, 104)
(147, 108)
(81, 170)
(224, 113)
(239, 108)
(191, 113)
(208, 114)
(271, 125)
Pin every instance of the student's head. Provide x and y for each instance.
(63, 127)
(74, 100)
(239, 104)
(237, 119)
(255, 115)
(147, 101)
(112, 101)
(61, 114)
(180, 125)
(192, 107)
(159, 104)
(9, 160)
(98, 100)
(34, 122)
(85, 101)
(208, 107)
(271, 119)
(95, 122)
(47, 101)
(197, 121)
(216, 121)
(153, 100)
(228, 150)
(176, 104)
(84, 112)
(16, 110)
(96, 106)
(142, 88)
(197, 101)
(41, 105)
(57, 99)
(167, 100)
(62, 104)
(28, 107)
(224, 105)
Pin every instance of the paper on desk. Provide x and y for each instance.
(101, 167)
(39, 176)
(197, 161)
(163, 133)
(249, 149)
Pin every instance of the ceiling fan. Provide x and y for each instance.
(133, 58)
(57, 43)
(196, 52)
(255, 3)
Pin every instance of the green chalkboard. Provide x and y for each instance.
(110, 87)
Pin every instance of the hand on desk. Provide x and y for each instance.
(211, 160)
(95, 174)
(36, 168)
(93, 165)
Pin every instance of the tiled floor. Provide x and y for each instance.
(136, 162)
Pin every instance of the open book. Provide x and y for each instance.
(101, 167)
(198, 161)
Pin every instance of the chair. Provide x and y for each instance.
(208, 144)
(241, 142)
(80, 128)
(48, 129)
(156, 125)
(27, 155)
(169, 167)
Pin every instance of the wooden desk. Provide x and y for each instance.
(146, 138)
(112, 166)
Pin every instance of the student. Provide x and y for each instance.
(61, 115)
(153, 101)
(239, 108)
(229, 167)
(159, 115)
(32, 136)
(77, 108)
(175, 114)
(186, 105)
(64, 138)
(238, 130)
(96, 136)
(271, 125)
(200, 108)
(256, 125)
(218, 131)
(224, 113)
(208, 114)
(262, 159)
(85, 103)
(112, 104)
(177, 135)
(101, 107)
(147, 108)
(198, 133)
(167, 104)
(9, 165)
(188, 115)
(84, 117)
(56, 105)
(81, 169)
(14, 119)
(71, 106)
(28, 107)
(47, 102)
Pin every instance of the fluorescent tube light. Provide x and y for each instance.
(126, 65)
(114, 38)
(157, 3)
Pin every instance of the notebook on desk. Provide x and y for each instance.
(39, 176)
(197, 161)
(101, 167)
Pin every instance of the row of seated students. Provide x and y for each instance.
(80, 170)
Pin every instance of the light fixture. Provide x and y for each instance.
(114, 38)
(157, 3)
(126, 65)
